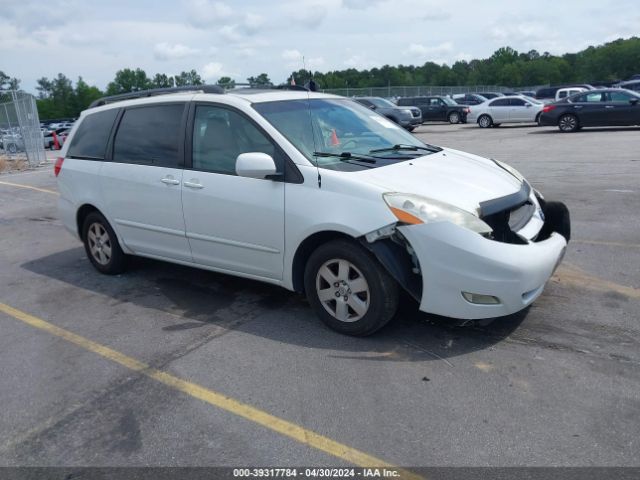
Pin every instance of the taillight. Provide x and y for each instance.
(548, 108)
(58, 166)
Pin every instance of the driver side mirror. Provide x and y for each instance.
(634, 101)
(255, 165)
(372, 107)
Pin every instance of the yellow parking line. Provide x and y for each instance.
(19, 185)
(276, 424)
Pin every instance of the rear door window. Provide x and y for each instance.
(516, 102)
(90, 140)
(501, 102)
(151, 135)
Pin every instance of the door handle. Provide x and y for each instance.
(193, 185)
(609, 106)
(577, 106)
(170, 181)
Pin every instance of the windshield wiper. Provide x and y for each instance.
(346, 156)
(413, 148)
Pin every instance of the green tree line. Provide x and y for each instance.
(616, 60)
(619, 59)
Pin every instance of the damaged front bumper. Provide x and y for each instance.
(458, 273)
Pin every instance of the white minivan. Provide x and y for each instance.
(311, 192)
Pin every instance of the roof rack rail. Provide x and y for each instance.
(270, 86)
(156, 91)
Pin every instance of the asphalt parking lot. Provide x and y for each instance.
(167, 365)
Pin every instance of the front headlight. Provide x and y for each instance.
(510, 169)
(415, 209)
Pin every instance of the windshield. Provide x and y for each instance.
(448, 101)
(332, 133)
(382, 103)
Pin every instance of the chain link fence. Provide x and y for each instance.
(416, 91)
(20, 134)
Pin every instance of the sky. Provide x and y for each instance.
(243, 38)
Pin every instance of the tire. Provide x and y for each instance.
(568, 123)
(485, 121)
(537, 120)
(454, 117)
(101, 245)
(339, 266)
(410, 129)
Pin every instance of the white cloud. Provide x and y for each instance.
(436, 15)
(422, 52)
(311, 13)
(291, 55)
(212, 71)
(360, 4)
(360, 62)
(205, 13)
(167, 51)
(252, 22)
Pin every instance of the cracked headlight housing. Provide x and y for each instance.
(416, 209)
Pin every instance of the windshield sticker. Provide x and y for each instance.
(383, 121)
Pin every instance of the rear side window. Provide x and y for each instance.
(150, 136)
(516, 102)
(90, 140)
(501, 102)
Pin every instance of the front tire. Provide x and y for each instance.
(568, 123)
(485, 121)
(101, 245)
(454, 117)
(348, 289)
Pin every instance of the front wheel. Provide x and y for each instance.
(454, 117)
(101, 245)
(348, 289)
(485, 121)
(568, 123)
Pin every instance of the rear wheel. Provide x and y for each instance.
(348, 289)
(101, 245)
(485, 121)
(568, 123)
(454, 117)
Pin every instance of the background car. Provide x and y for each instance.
(567, 92)
(630, 85)
(438, 108)
(490, 95)
(468, 98)
(594, 108)
(517, 109)
(549, 93)
(407, 116)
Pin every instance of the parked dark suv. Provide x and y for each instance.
(438, 109)
(407, 116)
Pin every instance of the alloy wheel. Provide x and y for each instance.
(99, 243)
(343, 290)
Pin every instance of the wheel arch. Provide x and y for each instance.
(82, 214)
(304, 251)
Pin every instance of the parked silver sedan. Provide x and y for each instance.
(513, 109)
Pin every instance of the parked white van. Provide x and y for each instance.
(311, 192)
(567, 92)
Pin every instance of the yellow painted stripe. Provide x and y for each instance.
(19, 185)
(276, 424)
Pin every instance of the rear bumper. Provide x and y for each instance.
(454, 260)
(547, 121)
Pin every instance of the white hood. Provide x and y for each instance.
(457, 178)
